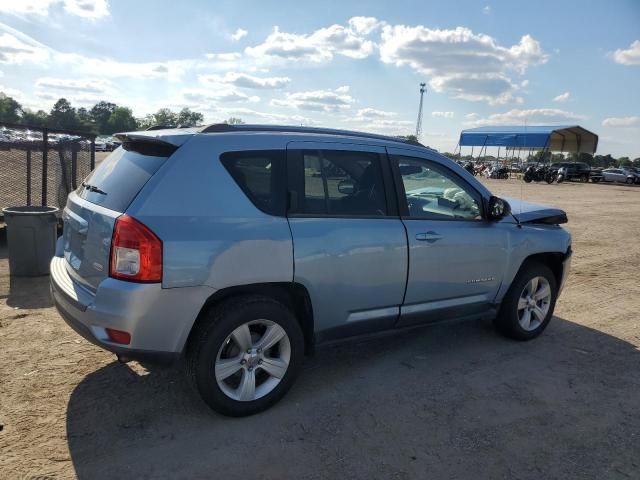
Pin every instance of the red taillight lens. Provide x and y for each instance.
(118, 336)
(136, 252)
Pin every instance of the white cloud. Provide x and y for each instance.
(250, 115)
(372, 113)
(486, 9)
(208, 97)
(469, 65)
(16, 49)
(442, 114)
(225, 57)
(321, 45)
(563, 97)
(80, 8)
(317, 100)
(628, 56)
(530, 116)
(471, 116)
(491, 88)
(617, 122)
(364, 25)
(238, 34)
(85, 85)
(244, 80)
(87, 8)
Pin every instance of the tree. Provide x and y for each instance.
(624, 162)
(10, 109)
(165, 117)
(35, 119)
(63, 115)
(121, 120)
(100, 114)
(84, 120)
(234, 121)
(189, 118)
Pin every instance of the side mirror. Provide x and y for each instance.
(498, 208)
(346, 187)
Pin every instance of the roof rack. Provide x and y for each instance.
(224, 128)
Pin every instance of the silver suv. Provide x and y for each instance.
(240, 248)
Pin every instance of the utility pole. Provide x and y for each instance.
(419, 122)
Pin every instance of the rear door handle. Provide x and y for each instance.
(430, 237)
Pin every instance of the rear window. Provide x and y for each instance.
(260, 175)
(118, 178)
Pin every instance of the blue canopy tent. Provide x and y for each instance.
(562, 138)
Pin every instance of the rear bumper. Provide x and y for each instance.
(159, 320)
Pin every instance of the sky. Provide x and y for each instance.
(340, 64)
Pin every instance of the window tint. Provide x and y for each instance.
(434, 192)
(118, 179)
(260, 175)
(340, 182)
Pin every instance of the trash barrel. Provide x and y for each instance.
(31, 238)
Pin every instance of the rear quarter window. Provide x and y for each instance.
(260, 174)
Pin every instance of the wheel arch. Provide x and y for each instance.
(293, 295)
(553, 260)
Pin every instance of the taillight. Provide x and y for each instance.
(136, 252)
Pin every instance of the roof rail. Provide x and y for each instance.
(224, 127)
(168, 127)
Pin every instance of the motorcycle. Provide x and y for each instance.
(562, 174)
(539, 174)
(501, 173)
(470, 168)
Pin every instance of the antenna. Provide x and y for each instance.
(419, 122)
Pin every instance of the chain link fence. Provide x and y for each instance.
(40, 166)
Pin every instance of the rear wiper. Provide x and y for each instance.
(93, 188)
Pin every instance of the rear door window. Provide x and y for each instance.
(260, 174)
(118, 179)
(340, 183)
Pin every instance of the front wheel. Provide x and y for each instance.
(528, 306)
(246, 356)
(527, 178)
(629, 181)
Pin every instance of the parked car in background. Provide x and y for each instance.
(596, 175)
(239, 248)
(619, 175)
(574, 170)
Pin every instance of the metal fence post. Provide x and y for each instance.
(93, 153)
(29, 177)
(74, 168)
(45, 153)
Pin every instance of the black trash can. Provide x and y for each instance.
(31, 238)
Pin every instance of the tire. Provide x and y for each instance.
(629, 181)
(510, 318)
(213, 343)
(527, 179)
(549, 179)
(595, 180)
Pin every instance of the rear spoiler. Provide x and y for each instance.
(145, 145)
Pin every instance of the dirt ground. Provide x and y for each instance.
(447, 401)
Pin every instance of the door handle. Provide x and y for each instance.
(430, 237)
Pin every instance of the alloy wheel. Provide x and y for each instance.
(534, 303)
(252, 360)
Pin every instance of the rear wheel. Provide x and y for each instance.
(629, 181)
(528, 305)
(247, 355)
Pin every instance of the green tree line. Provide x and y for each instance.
(103, 118)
